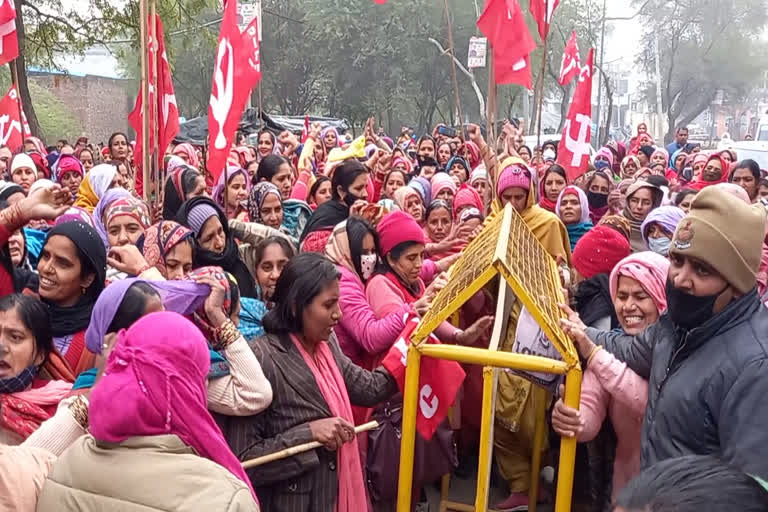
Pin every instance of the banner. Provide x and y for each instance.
(573, 150)
(163, 101)
(9, 43)
(542, 11)
(439, 380)
(237, 70)
(571, 63)
(503, 23)
(10, 125)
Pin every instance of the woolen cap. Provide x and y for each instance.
(198, 216)
(726, 234)
(396, 228)
(599, 250)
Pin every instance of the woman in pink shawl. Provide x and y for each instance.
(187, 153)
(610, 390)
(315, 386)
(153, 443)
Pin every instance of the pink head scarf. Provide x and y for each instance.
(188, 150)
(647, 268)
(155, 384)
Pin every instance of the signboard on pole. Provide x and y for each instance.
(246, 11)
(478, 47)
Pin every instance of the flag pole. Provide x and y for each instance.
(15, 80)
(154, 105)
(454, 80)
(491, 117)
(145, 155)
(541, 92)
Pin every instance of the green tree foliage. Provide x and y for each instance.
(47, 28)
(705, 46)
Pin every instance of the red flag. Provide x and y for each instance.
(237, 70)
(503, 23)
(439, 380)
(10, 126)
(165, 100)
(571, 63)
(573, 150)
(542, 12)
(9, 43)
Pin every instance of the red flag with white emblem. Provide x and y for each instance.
(571, 63)
(573, 150)
(542, 11)
(166, 110)
(503, 23)
(9, 43)
(13, 131)
(237, 70)
(439, 380)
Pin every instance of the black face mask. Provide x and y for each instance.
(350, 199)
(688, 311)
(597, 200)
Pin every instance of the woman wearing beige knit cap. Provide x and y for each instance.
(706, 359)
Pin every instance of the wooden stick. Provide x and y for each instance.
(541, 93)
(154, 167)
(146, 157)
(456, 95)
(300, 448)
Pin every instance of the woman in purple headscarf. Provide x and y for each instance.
(236, 385)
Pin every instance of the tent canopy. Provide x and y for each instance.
(195, 130)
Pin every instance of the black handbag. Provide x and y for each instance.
(431, 459)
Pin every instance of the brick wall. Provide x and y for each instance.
(101, 105)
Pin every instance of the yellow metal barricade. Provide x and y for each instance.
(505, 247)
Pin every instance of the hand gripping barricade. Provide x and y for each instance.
(505, 247)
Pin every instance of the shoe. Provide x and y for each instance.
(516, 501)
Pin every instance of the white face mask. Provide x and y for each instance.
(367, 265)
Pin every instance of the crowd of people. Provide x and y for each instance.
(149, 347)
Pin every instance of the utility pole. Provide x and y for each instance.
(598, 139)
(659, 114)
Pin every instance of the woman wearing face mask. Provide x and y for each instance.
(27, 399)
(349, 185)
(231, 191)
(551, 184)
(603, 160)
(659, 226)
(599, 187)
(609, 388)
(315, 386)
(363, 337)
(707, 353)
(642, 197)
(573, 210)
(715, 170)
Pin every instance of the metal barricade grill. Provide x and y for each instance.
(505, 247)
